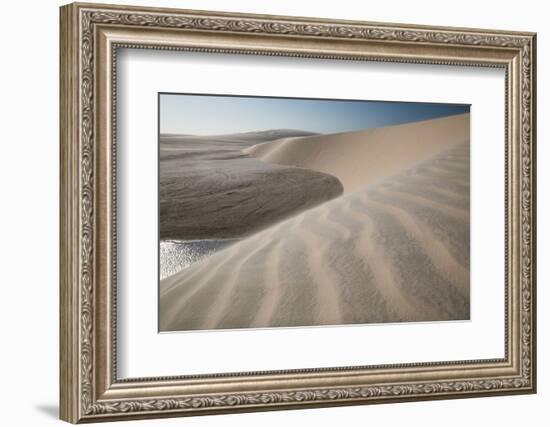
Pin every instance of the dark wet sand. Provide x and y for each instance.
(210, 189)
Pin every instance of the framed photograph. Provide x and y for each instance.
(266, 212)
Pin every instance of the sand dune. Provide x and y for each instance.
(360, 158)
(394, 248)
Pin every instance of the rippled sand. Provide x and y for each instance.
(394, 250)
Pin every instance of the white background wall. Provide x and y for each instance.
(29, 170)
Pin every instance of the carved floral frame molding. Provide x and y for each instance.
(90, 37)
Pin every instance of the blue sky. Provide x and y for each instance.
(218, 115)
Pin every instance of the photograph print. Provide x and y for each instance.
(293, 212)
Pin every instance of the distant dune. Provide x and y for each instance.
(246, 138)
(360, 158)
(394, 248)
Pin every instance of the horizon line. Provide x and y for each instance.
(305, 131)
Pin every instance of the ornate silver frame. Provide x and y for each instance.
(90, 36)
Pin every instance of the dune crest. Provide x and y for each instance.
(360, 158)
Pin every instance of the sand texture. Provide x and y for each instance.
(393, 249)
(360, 158)
(210, 189)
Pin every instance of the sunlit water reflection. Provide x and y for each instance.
(175, 255)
